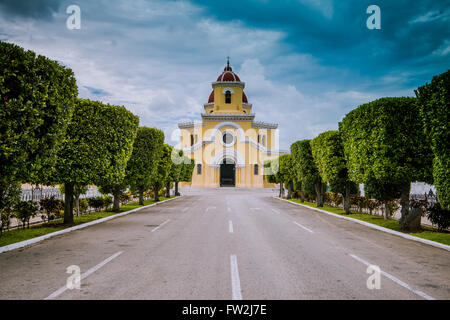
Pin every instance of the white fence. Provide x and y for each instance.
(37, 194)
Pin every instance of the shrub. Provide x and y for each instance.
(438, 216)
(96, 203)
(84, 204)
(51, 208)
(126, 197)
(107, 201)
(24, 211)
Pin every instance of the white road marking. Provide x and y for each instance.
(298, 224)
(398, 281)
(84, 275)
(235, 282)
(162, 224)
(209, 208)
(185, 209)
(275, 211)
(230, 226)
(229, 209)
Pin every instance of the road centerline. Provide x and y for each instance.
(230, 226)
(161, 225)
(84, 275)
(235, 281)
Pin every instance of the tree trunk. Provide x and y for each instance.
(68, 203)
(289, 195)
(347, 198)
(168, 190)
(281, 190)
(386, 211)
(77, 204)
(176, 189)
(404, 203)
(156, 190)
(141, 196)
(319, 194)
(116, 203)
(302, 196)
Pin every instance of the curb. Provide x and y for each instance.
(28, 242)
(374, 226)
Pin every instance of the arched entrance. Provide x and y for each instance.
(227, 173)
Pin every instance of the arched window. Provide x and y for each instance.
(255, 169)
(228, 97)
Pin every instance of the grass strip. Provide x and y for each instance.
(18, 235)
(427, 233)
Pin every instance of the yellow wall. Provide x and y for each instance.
(207, 153)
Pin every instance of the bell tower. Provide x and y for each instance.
(228, 95)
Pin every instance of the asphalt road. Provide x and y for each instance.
(226, 244)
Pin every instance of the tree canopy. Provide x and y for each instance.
(146, 149)
(434, 105)
(37, 98)
(305, 168)
(96, 148)
(329, 159)
(384, 145)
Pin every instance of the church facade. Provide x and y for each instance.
(229, 147)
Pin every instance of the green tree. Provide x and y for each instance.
(147, 146)
(273, 174)
(116, 190)
(434, 102)
(9, 196)
(96, 148)
(188, 169)
(37, 96)
(384, 144)
(328, 154)
(306, 170)
(286, 172)
(161, 169)
(175, 171)
(77, 192)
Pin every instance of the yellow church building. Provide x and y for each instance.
(229, 147)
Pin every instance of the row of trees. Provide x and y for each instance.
(385, 144)
(49, 136)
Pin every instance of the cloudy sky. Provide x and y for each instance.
(306, 63)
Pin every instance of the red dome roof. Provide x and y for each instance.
(228, 76)
(244, 97)
(211, 97)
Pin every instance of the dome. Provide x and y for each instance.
(228, 76)
(211, 97)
